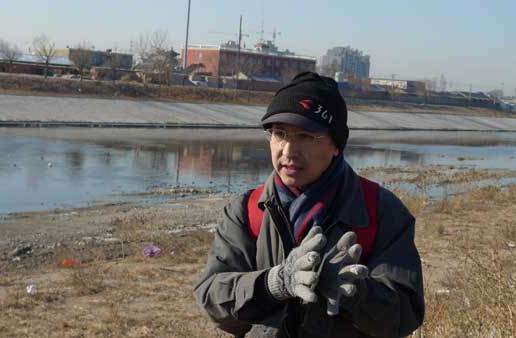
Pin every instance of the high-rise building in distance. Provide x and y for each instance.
(349, 62)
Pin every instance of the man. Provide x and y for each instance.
(317, 251)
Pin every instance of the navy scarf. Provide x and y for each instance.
(309, 207)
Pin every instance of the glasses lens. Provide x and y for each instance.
(268, 134)
(279, 135)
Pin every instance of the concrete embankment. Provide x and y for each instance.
(37, 111)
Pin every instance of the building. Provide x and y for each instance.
(265, 60)
(34, 64)
(98, 58)
(406, 85)
(349, 62)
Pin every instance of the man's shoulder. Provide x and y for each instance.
(237, 205)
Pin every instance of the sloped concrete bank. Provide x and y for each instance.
(37, 111)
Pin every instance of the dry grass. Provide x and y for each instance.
(415, 202)
(478, 198)
(480, 300)
(424, 177)
(31, 84)
(467, 245)
(88, 280)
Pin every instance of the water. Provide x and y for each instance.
(42, 169)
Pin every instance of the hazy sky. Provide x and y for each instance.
(469, 41)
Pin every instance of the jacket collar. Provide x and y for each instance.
(349, 206)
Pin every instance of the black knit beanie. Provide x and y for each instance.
(312, 102)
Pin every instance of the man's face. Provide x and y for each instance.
(300, 157)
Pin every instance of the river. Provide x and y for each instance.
(43, 169)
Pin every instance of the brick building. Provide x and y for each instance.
(264, 61)
(34, 64)
(99, 58)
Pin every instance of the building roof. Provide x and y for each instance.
(253, 51)
(264, 78)
(476, 95)
(377, 88)
(32, 58)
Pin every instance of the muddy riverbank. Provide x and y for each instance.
(33, 238)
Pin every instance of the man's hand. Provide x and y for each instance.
(297, 275)
(339, 272)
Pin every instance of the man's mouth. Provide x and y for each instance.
(291, 169)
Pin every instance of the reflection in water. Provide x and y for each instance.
(47, 172)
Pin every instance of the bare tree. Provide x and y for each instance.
(431, 84)
(443, 83)
(155, 55)
(142, 47)
(9, 52)
(81, 57)
(113, 62)
(45, 49)
(142, 50)
(162, 57)
(158, 40)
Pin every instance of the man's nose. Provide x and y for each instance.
(290, 148)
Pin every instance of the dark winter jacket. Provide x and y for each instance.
(232, 290)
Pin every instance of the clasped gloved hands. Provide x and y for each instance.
(297, 276)
(340, 272)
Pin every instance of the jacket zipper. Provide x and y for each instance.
(279, 219)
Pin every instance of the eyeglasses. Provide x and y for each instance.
(281, 136)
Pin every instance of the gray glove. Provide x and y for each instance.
(339, 272)
(297, 275)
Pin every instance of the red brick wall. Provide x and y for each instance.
(208, 57)
(283, 68)
(222, 62)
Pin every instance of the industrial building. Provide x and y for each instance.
(34, 64)
(407, 85)
(98, 58)
(264, 61)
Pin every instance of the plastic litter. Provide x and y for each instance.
(151, 251)
(70, 263)
(32, 289)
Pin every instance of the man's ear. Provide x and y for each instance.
(336, 152)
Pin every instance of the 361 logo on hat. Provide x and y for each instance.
(308, 104)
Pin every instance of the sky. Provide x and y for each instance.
(469, 42)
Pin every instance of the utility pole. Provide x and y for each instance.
(392, 85)
(186, 42)
(261, 30)
(470, 89)
(237, 63)
(239, 44)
